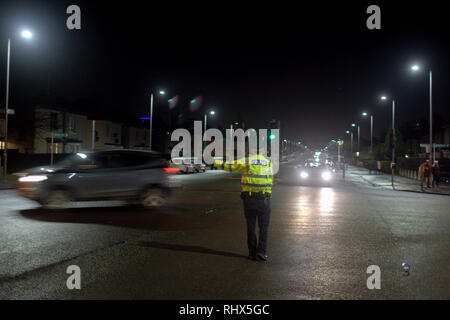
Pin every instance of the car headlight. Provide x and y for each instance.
(304, 174)
(326, 175)
(33, 178)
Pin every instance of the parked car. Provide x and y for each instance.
(134, 176)
(183, 164)
(198, 167)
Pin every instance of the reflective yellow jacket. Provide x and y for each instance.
(257, 173)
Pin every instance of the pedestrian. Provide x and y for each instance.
(436, 171)
(379, 166)
(425, 173)
(256, 192)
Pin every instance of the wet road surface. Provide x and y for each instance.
(321, 241)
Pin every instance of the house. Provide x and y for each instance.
(68, 130)
(108, 135)
(135, 137)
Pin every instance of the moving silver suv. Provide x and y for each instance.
(134, 176)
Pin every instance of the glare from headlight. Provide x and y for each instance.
(326, 175)
(33, 178)
(304, 174)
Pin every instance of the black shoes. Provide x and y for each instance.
(258, 257)
(261, 257)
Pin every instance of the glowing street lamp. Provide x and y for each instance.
(365, 114)
(211, 112)
(161, 92)
(27, 35)
(415, 68)
(393, 139)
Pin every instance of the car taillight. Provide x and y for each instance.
(175, 170)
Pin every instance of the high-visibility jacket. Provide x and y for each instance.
(257, 173)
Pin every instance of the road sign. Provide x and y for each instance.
(60, 134)
(10, 111)
(436, 145)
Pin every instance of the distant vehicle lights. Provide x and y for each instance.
(326, 176)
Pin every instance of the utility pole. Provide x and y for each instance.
(5, 152)
(432, 156)
(371, 134)
(151, 119)
(93, 136)
(393, 142)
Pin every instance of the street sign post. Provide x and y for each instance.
(435, 145)
(60, 134)
(10, 111)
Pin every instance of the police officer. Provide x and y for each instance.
(256, 187)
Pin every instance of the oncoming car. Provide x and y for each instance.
(134, 176)
(314, 172)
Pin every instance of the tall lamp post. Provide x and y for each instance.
(161, 92)
(27, 35)
(393, 140)
(359, 131)
(351, 142)
(365, 114)
(415, 68)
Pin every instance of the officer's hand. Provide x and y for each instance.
(218, 164)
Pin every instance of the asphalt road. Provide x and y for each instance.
(321, 241)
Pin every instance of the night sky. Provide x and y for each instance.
(314, 68)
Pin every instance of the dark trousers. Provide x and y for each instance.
(257, 209)
(436, 180)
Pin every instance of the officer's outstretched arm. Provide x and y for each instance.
(235, 166)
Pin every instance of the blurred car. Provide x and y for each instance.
(314, 172)
(183, 164)
(134, 176)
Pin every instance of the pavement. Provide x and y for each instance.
(322, 239)
(384, 180)
(4, 185)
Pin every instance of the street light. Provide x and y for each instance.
(27, 35)
(354, 125)
(161, 92)
(365, 114)
(351, 141)
(393, 139)
(415, 68)
(211, 112)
